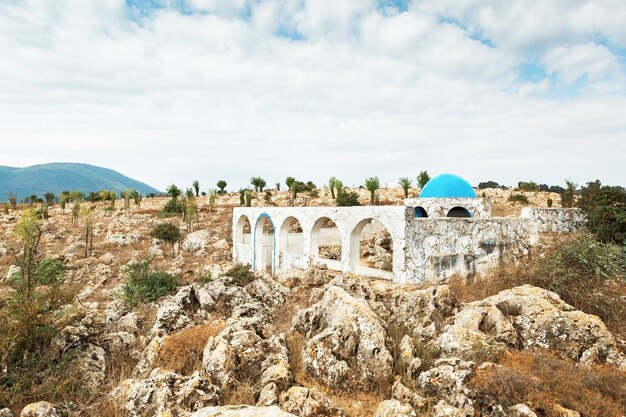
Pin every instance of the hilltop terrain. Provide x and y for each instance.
(56, 177)
(223, 341)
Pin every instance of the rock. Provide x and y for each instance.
(40, 409)
(242, 411)
(408, 396)
(447, 380)
(13, 269)
(268, 291)
(5, 412)
(268, 396)
(197, 241)
(394, 408)
(117, 343)
(165, 391)
(521, 410)
(443, 409)
(108, 258)
(422, 312)
(345, 342)
(221, 244)
(530, 317)
(309, 402)
(561, 411)
(173, 313)
(122, 239)
(91, 360)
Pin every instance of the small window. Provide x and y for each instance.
(420, 212)
(459, 212)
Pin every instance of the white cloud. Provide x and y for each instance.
(175, 97)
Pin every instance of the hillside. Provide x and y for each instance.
(56, 177)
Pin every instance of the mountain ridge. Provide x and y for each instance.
(58, 176)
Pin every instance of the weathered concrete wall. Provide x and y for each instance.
(554, 220)
(439, 207)
(440, 248)
(350, 221)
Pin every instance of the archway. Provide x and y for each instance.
(264, 244)
(371, 249)
(459, 212)
(326, 244)
(420, 213)
(291, 244)
(243, 240)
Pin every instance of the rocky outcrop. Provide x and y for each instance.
(166, 393)
(422, 312)
(309, 402)
(197, 241)
(242, 411)
(121, 238)
(530, 317)
(447, 380)
(345, 342)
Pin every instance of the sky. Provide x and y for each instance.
(168, 91)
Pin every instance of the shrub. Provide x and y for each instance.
(173, 206)
(544, 380)
(49, 271)
(182, 351)
(518, 198)
(242, 274)
(549, 202)
(145, 285)
(203, 277)
(605, 208)
(314, 193)
(488, 184)
(347, 199)
(166, 232)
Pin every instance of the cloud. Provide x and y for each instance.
(311, 89)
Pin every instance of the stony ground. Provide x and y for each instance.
(314, 344)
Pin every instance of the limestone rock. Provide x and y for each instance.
(92, 362)
(447, 380)
(443, 409)
(122, 239)
(173, 313)
(345, 342)
(309, 402)
(423, 312)
(394, 408)
(165, 391)
(197, 241)
(530, 317)
(5, 412)
(521, 410)
(268, 395)
(242, 411)
(40, 409)
(407, 396)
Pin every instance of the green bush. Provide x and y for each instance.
(173, 206)
(518, 198)
(605, 208)
(549, 202)
(203, 277)
(241, 274)
(46, 272)
(347, 199)
(145, 285)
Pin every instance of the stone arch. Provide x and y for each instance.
(264, 244)
(291, 244)
(356, 236)
(459, 211)
(420, 212)
(242, 240)
(323, 239)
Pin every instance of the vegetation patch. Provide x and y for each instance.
(518, 198)
(143, 284)
(242, 275)
(544, 381)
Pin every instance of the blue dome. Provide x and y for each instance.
(447, 186)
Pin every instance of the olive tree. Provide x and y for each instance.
(405, 183)
(422, 179)
(372, 184)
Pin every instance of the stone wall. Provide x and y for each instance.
(440, 248)
(439, 207)
(554, 220)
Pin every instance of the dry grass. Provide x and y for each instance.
(182, 351)
(542, 380)
(242, 393)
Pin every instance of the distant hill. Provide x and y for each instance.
(59, 176)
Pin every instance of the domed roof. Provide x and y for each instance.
(447, 186)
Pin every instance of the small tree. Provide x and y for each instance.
(567, 199)
(49, 198)
(168, 233)
(87, 215)
(277, 186)
(221, 184)
(104, 196)
(405, 183)
(127, 195)
(62, 203)
(212, 198)
(372, 184)
(31, 199)
(112, 197)
(332, 182)
(422, 179)
(196, 187)
(75, 213)
(242, 197)
(347, 199)
(248, 198)
(29, 231)
(12, 201)
(137, 198)
(173, 191)
(289, 181)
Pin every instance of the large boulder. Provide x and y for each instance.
(394, 408)
(448, 380)
(423, 313)
(40, 409)
(242, 411)
(345, 342)
(529, 317)
(197, 241)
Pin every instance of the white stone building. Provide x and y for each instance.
(446, 231)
